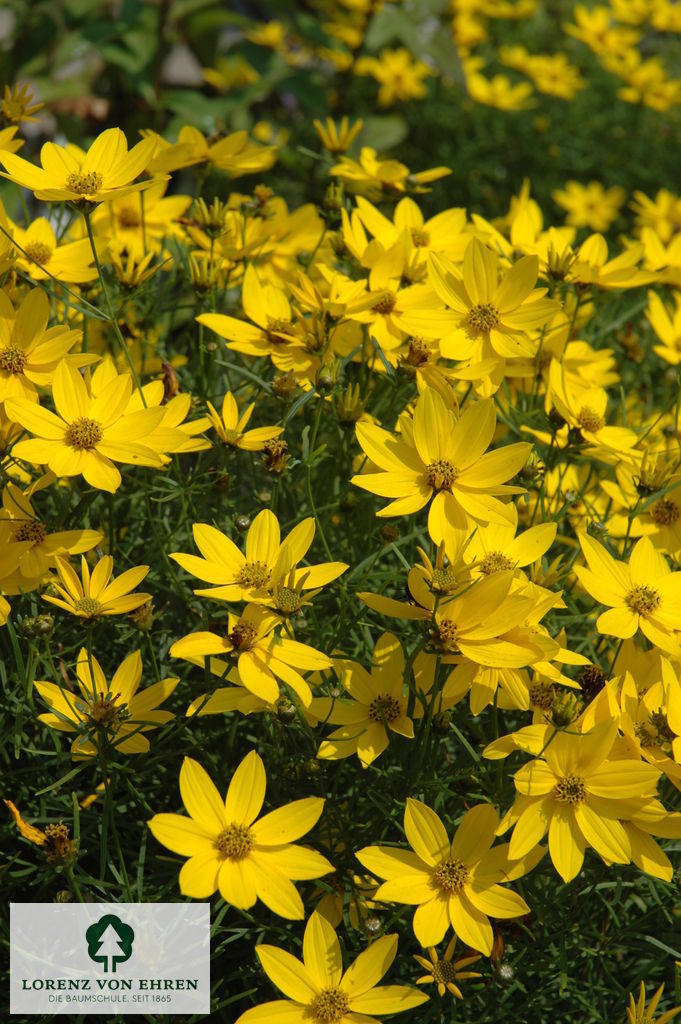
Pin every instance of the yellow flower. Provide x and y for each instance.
(42, 547)
(233, 154)
(497, 91)
(639, 1013)
(89, 432)
(374, 176)
(641, 594)
(44, 257)
(577, 794)
(228, 849)
(317, 990)
(399, 75)
(68, 174)
(487, 304)
(95, 595)
(451, 883)
(267, 573)
(443, 458)
(18, 104)
(443, 972)
(379, 702)
(260, 655)
(30, 351)
(590, 206)
(231, 427)
(107, 714)
(338, 138)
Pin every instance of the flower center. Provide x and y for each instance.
(483, 318)
(443, 972)
(384, 708)
(643, 599)
(542, 695)
(277, 326)
(443, 579)
(420, 237)
(441, 474)
(89, 606)
(446, 635)
(104, 711)
(495, 561)
(12, 359)
(254, 574)
(590, 420)
(451, 875)
(665, 512)
(129, 218)
(386, 303)
(329, 1006)
(38, 252)
(419, 352)
(84, 184)
(235, 842)
(31, 530)
(84, 434)
(569, 790)
(287, 601)
(242, 637)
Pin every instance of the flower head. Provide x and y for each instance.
(107, 713)
(94, 595)
(318, 989)
(228, 849)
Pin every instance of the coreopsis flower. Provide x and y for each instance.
(648, 718)
(337, 138)
(641, 594)
(320, 992)
(228, 849)
(88, 432)
(444, 971)
(95, 594)
(584, 410)
(486, 304)
(268, 569)
(30, 351)
(443, 458)
(374, 176)
(53, 839)
(42, 547)
(42, 257)
(68, 174)
(18, 105)
(498, 91)
(107, 714)
(270, 312)
(260, 654)
(234, 154)
(592, 266)
(640, 1012)
(577, 793)
(399, 75)
(452, 883)
(379, 702)
(230, 426)
(590, 206)
(500, 548)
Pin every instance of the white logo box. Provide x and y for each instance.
(107, 958)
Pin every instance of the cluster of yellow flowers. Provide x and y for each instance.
(505, 448)
(623, 35)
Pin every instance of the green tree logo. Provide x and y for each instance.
(109, 941)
